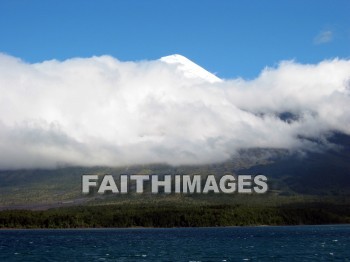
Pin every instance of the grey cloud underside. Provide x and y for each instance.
(101, 111)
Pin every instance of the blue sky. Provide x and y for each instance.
(230, 38)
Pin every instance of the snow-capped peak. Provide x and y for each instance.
(190, 69)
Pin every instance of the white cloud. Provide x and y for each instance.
(323, 37)
(100, 111)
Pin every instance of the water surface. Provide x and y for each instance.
(292, 243)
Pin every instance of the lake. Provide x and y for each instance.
(285, 243)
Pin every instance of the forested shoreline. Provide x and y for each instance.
(138, 215)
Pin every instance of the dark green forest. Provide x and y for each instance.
(136, 215)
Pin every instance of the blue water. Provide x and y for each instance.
(295, 243)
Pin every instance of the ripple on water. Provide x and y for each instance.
(191, 244)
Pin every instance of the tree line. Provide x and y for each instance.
(137, 215)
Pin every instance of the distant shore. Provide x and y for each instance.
(139, 227)
(172, 216)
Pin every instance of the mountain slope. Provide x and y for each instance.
(320, 173)
(190, 69)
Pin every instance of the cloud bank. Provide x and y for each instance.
(101, 111)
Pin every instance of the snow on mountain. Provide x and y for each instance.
(190, 69)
